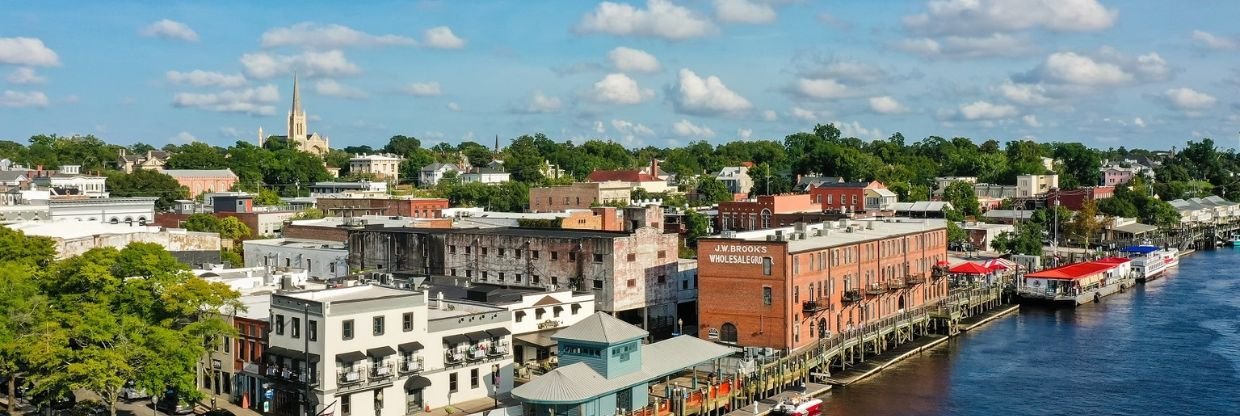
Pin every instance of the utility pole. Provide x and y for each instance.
(1055, 241)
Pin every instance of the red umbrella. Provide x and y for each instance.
(942, 263)
(969, 268)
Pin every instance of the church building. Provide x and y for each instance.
(297, 136)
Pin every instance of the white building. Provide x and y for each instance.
(1034, 185)
(736, 178)
(74, 238)
(431, 174)
(384, 167)
(69, 180)
(129, 211)
(327, 189)
(384, 352)
(251, 280)
(486, 175)
(321, 259)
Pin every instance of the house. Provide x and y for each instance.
(737, 179)
(322, 189)
(805, 183)
(1035, 185)
(606, 370)
(203, 180)
(151, 160)
(384, 167)
(486, 176)
(1117, 175)
(431, 174)
(853, 196)
(70, 181)
(634, 178)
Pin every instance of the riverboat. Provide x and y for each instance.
(1078, 283)
(798, 406)
(1149, 261)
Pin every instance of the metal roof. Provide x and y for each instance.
(921, 206)
(1135, 228)
(383, 351)
(601, 328)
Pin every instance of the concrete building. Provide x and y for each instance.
(606, 370)
(980, 234)
(737, 179)
(853, 196)
(384, 167)
(151, 160)
(128, 211)
(70, 181)
(431, 174)
(330, 189)
(321, 259)
(390, 206)
(786, 288)
(261, 223)
(337, 228)
(486, 176)
(597, 218)
(395, 352)
(579, 196)
(204, 180)
(1035, 185)
(74, 238)
(941, 182)
(631, 273)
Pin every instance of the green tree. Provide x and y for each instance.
(311, 213)
(962, 197)
(955, 234)
(148, 183)
(711, 190)
(1026, 240)
(202, 223)
(1085, 224)
(231, 228)
(267, 197)
(197, 155)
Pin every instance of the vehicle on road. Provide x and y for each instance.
(131, 392)
(172, 403)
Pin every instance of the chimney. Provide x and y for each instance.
(654, 167)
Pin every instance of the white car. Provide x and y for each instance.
(131, 393)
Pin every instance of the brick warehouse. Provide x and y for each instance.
(632, 273)
(785, 288)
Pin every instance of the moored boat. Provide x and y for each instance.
(1078, 283)
(798, 406)
(1149, 261)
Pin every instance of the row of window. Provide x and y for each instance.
(533, 254)
(378, 326)
(502, 277)
(542, 312)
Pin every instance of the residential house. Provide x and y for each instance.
(1035, 185)
(431, 174)
(384, 167)
(486, 176)
(151, 160)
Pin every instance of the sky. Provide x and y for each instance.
(1136, 73)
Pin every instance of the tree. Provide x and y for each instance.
(197, 155)
(696, 225)
(149, 183)
(267, 197)
(1085, 224)
(1026, 240)
(206, 223)
(311, 213)
(962, 197)
(711, 190)
(955, 234)
(232, 228)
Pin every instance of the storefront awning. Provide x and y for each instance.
(499, 332)
(290, 353)
(478, 336)
(410, 346)
(350, 357)
(417, 382)
(538, 339)
(380, 352)
(455, 339)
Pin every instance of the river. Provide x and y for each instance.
(1169, 347)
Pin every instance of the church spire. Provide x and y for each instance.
(296, 96)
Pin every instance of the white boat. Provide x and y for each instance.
(1148, 261)
(798, 406)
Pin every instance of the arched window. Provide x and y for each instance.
(727, 333)
(812, 329)
(114, 220)
(822, 328)
(766, 219)
(901, 303)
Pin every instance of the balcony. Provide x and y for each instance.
(852, 295)
(289, 375)
(412, 365)
(498, 350)
(875, 289)
(381, 371)
(915, 279)
(895, 284)
(812, 306)
(476, 354)
(350, 376)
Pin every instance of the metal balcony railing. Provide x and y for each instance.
(351, 376)
(812, 306)
(852, 295)
(499, 349)
(381, 371)
(915, 279)
(453, 357)
(875, 289)
(895, 284)
(412, 365)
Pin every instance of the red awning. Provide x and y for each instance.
(942, 262)
(994, 264)
(969, 268)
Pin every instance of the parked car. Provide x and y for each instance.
(172, 403)
(131, 392)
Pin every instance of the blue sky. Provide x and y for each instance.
(1139, 73)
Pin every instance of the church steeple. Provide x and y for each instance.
(296, 96)
(296, 117)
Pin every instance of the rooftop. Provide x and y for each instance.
(299, 243)
(349, 294)
(77, 229)
(1075, 271)
(377, 156)
(841, 232)
(454, 308)
(622, 176)
(601, 328)
(921, 206)
(520, 232)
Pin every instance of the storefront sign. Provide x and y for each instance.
(550, 323)
(733, 254)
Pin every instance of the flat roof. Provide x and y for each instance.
(77, 229)
(521, 232)
(838, 236)
(353, 293)
(299, 243)
(455, 307)
(1075, 271)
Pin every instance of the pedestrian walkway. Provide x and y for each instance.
(222, 403)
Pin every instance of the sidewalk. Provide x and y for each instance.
(221, 403)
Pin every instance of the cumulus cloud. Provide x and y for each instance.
(171, 30)
(854, 129)
(1106, 68)
(541, 103)
(744, 133)
(1137, 121)
(850, 72)
(886, 105)
(1189, 99)
(685, 128)
(821, 89)
(633, 60)
(24, 75)
(973, 16)
(422, 89)
(619, 89)
(706, 96)
(329, 36)
(183, 137)
(807, 115)
(629, 130)
(441, 37)
(27, 51)
(660, 19)
(453, 106)
(769, 115)
(1031, 120)
(744, 11)
(200, 78)
(983, 110)
(993, 45)
(17, 99)
(252, 101)
(1024, 94)
(1212, 41)
(310, 63)
(331, 88)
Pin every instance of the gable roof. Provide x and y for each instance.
(547, 300)
(437, 166)
(622, 176)
(601, 328)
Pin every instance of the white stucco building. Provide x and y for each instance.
(321, 259)
(70, 180)
(129, 211)
(486, 175)
(384, 167)
(431, 174)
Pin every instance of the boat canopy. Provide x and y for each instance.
(1140, 249)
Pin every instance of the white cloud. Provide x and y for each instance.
(1151, 66)
(1031, 120)
(974, 16)
(687, 129)
(253, 101)
(598, 127)
(441, 37)
(769, 115)
(1071, 68)
(1217, 42)
(170, 29)
(1138, 122)
(24, 75)
(842, 70)
(886, 105)
(982, 110)
(631, 130)
(27, 51)
(310, 63)
(1025, 94)
(540, 103)
(23, 99)
(454, 107)
(422, 89)
(744, 133)
(706, 96)
(807, 115)
(331, 88)
(619, 89)
(633, 60)
(329, 36)
(183, 137)
(854, 129)
(822, 89)
(660, 18)
(993, 45)
(230, 132)
(1189, 99)
(744, 11)
(202, 78)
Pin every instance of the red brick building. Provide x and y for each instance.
(786, 288)
(399, 207)
(1075, 199)
(761, 212)
(250, 343)
(853, 196)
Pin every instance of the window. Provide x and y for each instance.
(468, 249)
(796, 294)
(534, 254)
(576, 307)
(501, 276)
(345, 408)
(684, 285)
(484, 251)
(766, 295)
(331, 267)
(555, 280)
(279, 324)
(598, 284)
(469, 273)
(572, 256)
(662, 279)
(473, 378)
(346, 329)
(377, 322)
(484, 276)
(517, 278)
(296, 332)
(727, 333)
(406, 321)
(518, 254)
(312, 330)
(662, 254)
(536, 279)
(766, 266)
(227, 344)
(555, 255)
(631, 257)
(538, 314)
(451, 249)
(452, 383)
(598, 258)
(453, 272)
(631, 283)
(499, 253)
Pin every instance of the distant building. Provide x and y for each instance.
(74, 238)
(204, 180)
(737, 179)
(579, 196)
(328, 189)
(485, 176)
(853, 196)
(384, 167)
(941, 182)
(151, 160)
(1035, 185)
(1116, 175)
(1075, 199)
(320, 259)
(261, 223)
(921, 209)
(805, 183)
(70, 181)
(297, 134)
(980, 235)
(391, 206)
(634, 179)
(763, 212)
(431, 174)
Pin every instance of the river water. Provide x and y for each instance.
(1170, 347)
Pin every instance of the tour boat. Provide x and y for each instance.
(798, 406)
(1077, 283)
(1148, 261)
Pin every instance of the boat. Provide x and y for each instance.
(1149, 261)
(1077, 283)
(798, 406)
(1234, 241)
